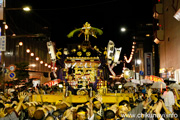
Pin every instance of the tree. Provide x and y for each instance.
(21, 70)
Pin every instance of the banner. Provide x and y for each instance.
(2, 43)
(148, 64)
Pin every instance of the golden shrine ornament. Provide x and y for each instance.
(84, 49)
(73, 50)
(79, 53)
(88, 54)
(58, 54)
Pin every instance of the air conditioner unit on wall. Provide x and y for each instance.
(159, 36)
(158, 10)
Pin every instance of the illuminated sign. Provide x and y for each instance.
(52, 82)
(154, 78)
(148, 64)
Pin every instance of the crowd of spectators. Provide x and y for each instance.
(146, 104)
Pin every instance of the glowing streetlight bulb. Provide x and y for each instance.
(20, 43)
(28, 50)
(45, 64)
(123, 29)
(41, 62)
(6, 26)
(49, 66)
(138, 62)
(32, 54)
(37, 58)
(26, 9)
(147, 35)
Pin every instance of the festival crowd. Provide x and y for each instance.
(146, 104)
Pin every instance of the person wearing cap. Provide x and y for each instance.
(169, 100)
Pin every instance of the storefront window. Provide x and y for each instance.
(167, 73)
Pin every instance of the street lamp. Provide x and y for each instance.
(138, 61)
(27, 8)
(6, 26)
(123, 29)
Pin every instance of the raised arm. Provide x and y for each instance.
(21, 97)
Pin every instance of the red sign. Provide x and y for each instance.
(12, 68)
(154, 78)
(52, 82)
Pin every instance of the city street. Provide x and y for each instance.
(89, 60)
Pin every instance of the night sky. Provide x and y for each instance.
(61, 17)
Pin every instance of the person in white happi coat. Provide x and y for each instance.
(169, 100)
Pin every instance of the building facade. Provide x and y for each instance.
(168, 37)
(31, 49)
(143, 37)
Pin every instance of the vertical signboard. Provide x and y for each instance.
(1, 9)
(0, 51)
(2, 43)
(148, 64)
(1, 13)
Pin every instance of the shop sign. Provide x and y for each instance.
(148, 63)
(52, 82)
(154, 78)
